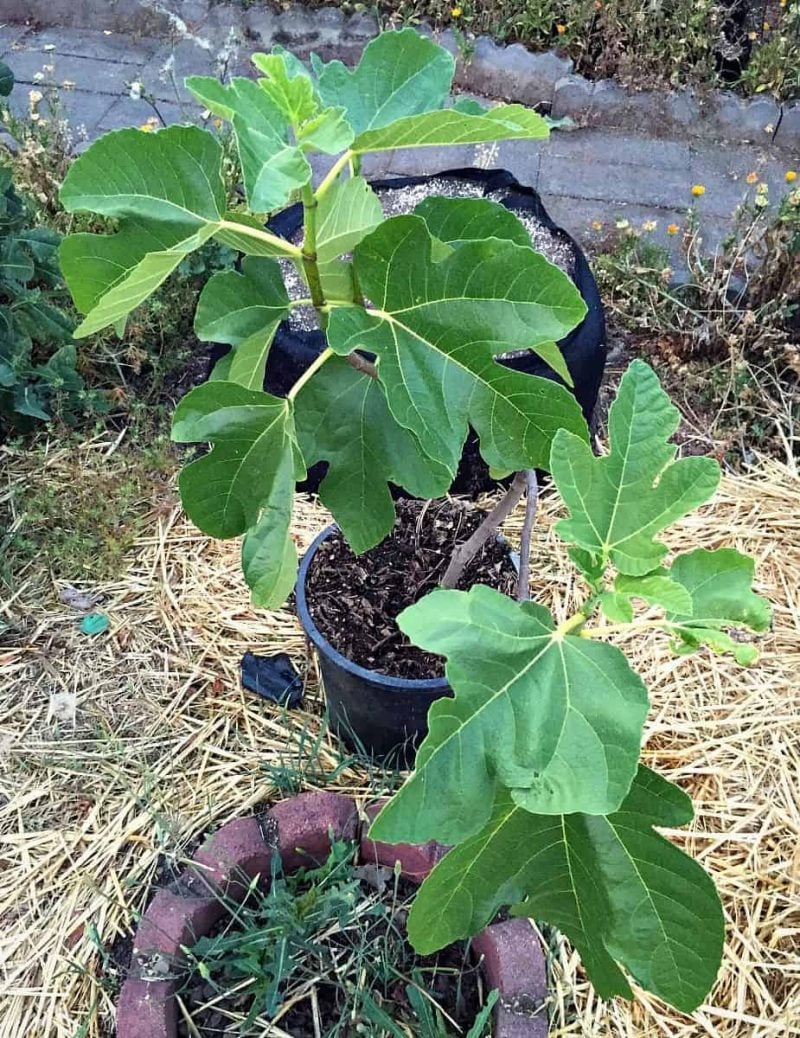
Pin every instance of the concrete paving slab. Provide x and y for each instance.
(85, 43)
(617, 182)
(88, 74)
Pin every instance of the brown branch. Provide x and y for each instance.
(355, 360)
(467, 551)
(531, 503)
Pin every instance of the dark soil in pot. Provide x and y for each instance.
(325, 955)
(354, 599)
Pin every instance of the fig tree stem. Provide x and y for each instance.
(310, 253)
(531, 503)
(467, 551)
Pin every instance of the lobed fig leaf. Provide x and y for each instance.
(719, 584)
(436, 328)
(342, 418)
(624, 895)
(555, 718)
(618, 503)
(399, 74)
(243, 309)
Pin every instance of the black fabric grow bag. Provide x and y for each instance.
(584, 348)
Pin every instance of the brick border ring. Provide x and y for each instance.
(512, 958)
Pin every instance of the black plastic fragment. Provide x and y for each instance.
(273, 677)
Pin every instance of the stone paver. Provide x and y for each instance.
(587, 176)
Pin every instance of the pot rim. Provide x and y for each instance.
(322, 644)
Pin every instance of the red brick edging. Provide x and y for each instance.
(242, 849)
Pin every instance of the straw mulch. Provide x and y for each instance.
(116, 752)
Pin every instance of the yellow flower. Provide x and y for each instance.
(751, 178)
(766, 26)
(456, 12)
(790, 176)
(752, 36)
(597, 225)
(698, 190)
(649, 225)
(673, 228)
(149, 126)
(561, 29)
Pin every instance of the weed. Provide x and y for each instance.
(734, 320)
(326, 946)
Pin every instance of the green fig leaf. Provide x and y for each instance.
(616, 607)
(328, 132)
(272, 167)
(436, 328)
(345, 215)
(225, 491)
(555, 718)
(720, 585)
(657, 588)
(623, 894)
(459, 220)
(243, 309)
(450, 126)
(342, 418)
(173, 176)
(290, 87)
(399, 74)
(167, 192)
(269, 555)
(618, 503)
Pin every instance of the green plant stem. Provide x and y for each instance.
(330, 178)
(310, 371)
(309, 253)
(284, 247)
(569, 625)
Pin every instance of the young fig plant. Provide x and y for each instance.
(414, 308)
(532, 770)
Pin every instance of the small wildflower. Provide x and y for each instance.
(456, 12)
(649, 225)
(763, 188)
(794, 198)
(766, 26)
(35, 117)
(666, 274)
(68, 85)
(48, 68)
(698, 190)
(135, 90)
(561, 29)
(38, 77)
(790, 176)
(623, 225)
(34, 96)
(751, 178)
(597, 225)
(672, 228)
(217, 122)
(761, 201)
(752, 36)
(150, 125)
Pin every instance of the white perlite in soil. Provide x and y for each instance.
(403, 200)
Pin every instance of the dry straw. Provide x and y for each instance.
(117, 752)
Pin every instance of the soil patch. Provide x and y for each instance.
(354, 600)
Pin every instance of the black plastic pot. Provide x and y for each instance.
(383, 716)
(584, 348)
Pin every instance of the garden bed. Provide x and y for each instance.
(119, 750)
